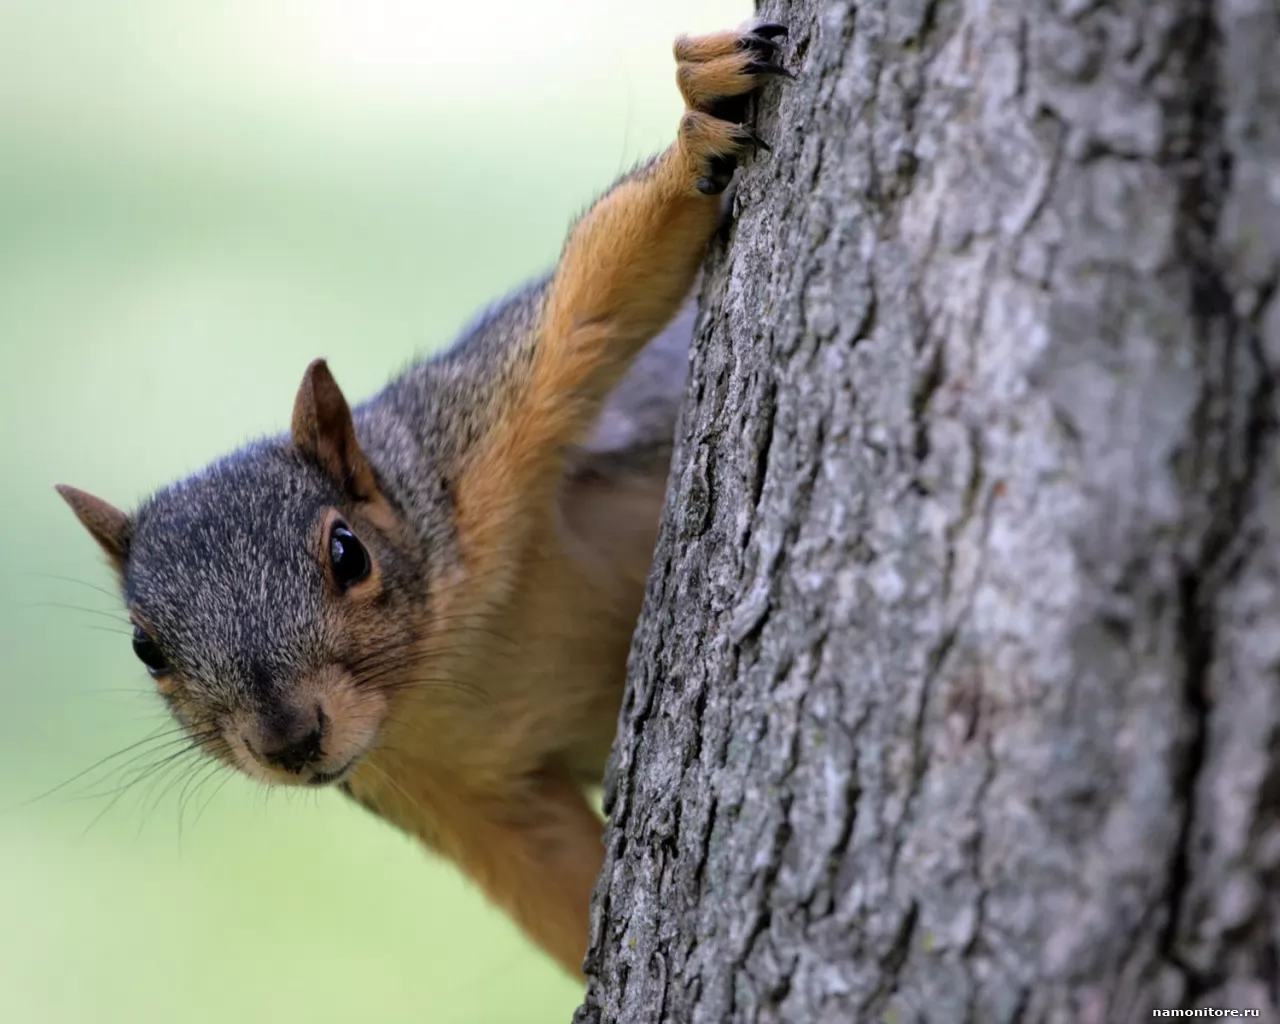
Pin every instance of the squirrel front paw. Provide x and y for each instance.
(717, 75)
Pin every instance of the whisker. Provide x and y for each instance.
(113, 630)
(115, 616)
(113, 594)
(98, 764)
(173, 772)
(230, 774)
(136, 691)
(167, 762)
(173, 775)
(189, 789)
(187, 744)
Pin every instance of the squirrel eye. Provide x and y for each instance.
(347, 556)
(149, 654)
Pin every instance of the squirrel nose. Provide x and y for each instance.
(293, 745)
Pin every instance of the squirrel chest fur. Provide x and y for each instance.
(428, 601)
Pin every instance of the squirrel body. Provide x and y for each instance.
(428, 600)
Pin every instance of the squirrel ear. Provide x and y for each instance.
(106, 524)
(323, 431)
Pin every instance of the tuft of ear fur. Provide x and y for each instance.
(324, 432)
(106, 524)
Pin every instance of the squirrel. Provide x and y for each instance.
(428, 601)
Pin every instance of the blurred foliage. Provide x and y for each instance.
(195, 200)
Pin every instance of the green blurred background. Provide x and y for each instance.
(195, 200)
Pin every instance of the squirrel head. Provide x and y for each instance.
(273, 595)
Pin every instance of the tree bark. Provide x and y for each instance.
(956, 696)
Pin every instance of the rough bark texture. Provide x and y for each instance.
(957, 691)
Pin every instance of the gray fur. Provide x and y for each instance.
(223, 565)
(210, 560)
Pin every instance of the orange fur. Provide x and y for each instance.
(625, 271)
(532, 633)
(700, 49)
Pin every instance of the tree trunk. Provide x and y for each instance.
(956, 696)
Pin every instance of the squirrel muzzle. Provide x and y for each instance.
(314, 734)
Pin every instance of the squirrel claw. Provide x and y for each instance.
(768, 30)
(761, 67)
(759, 44)
(719, 76)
